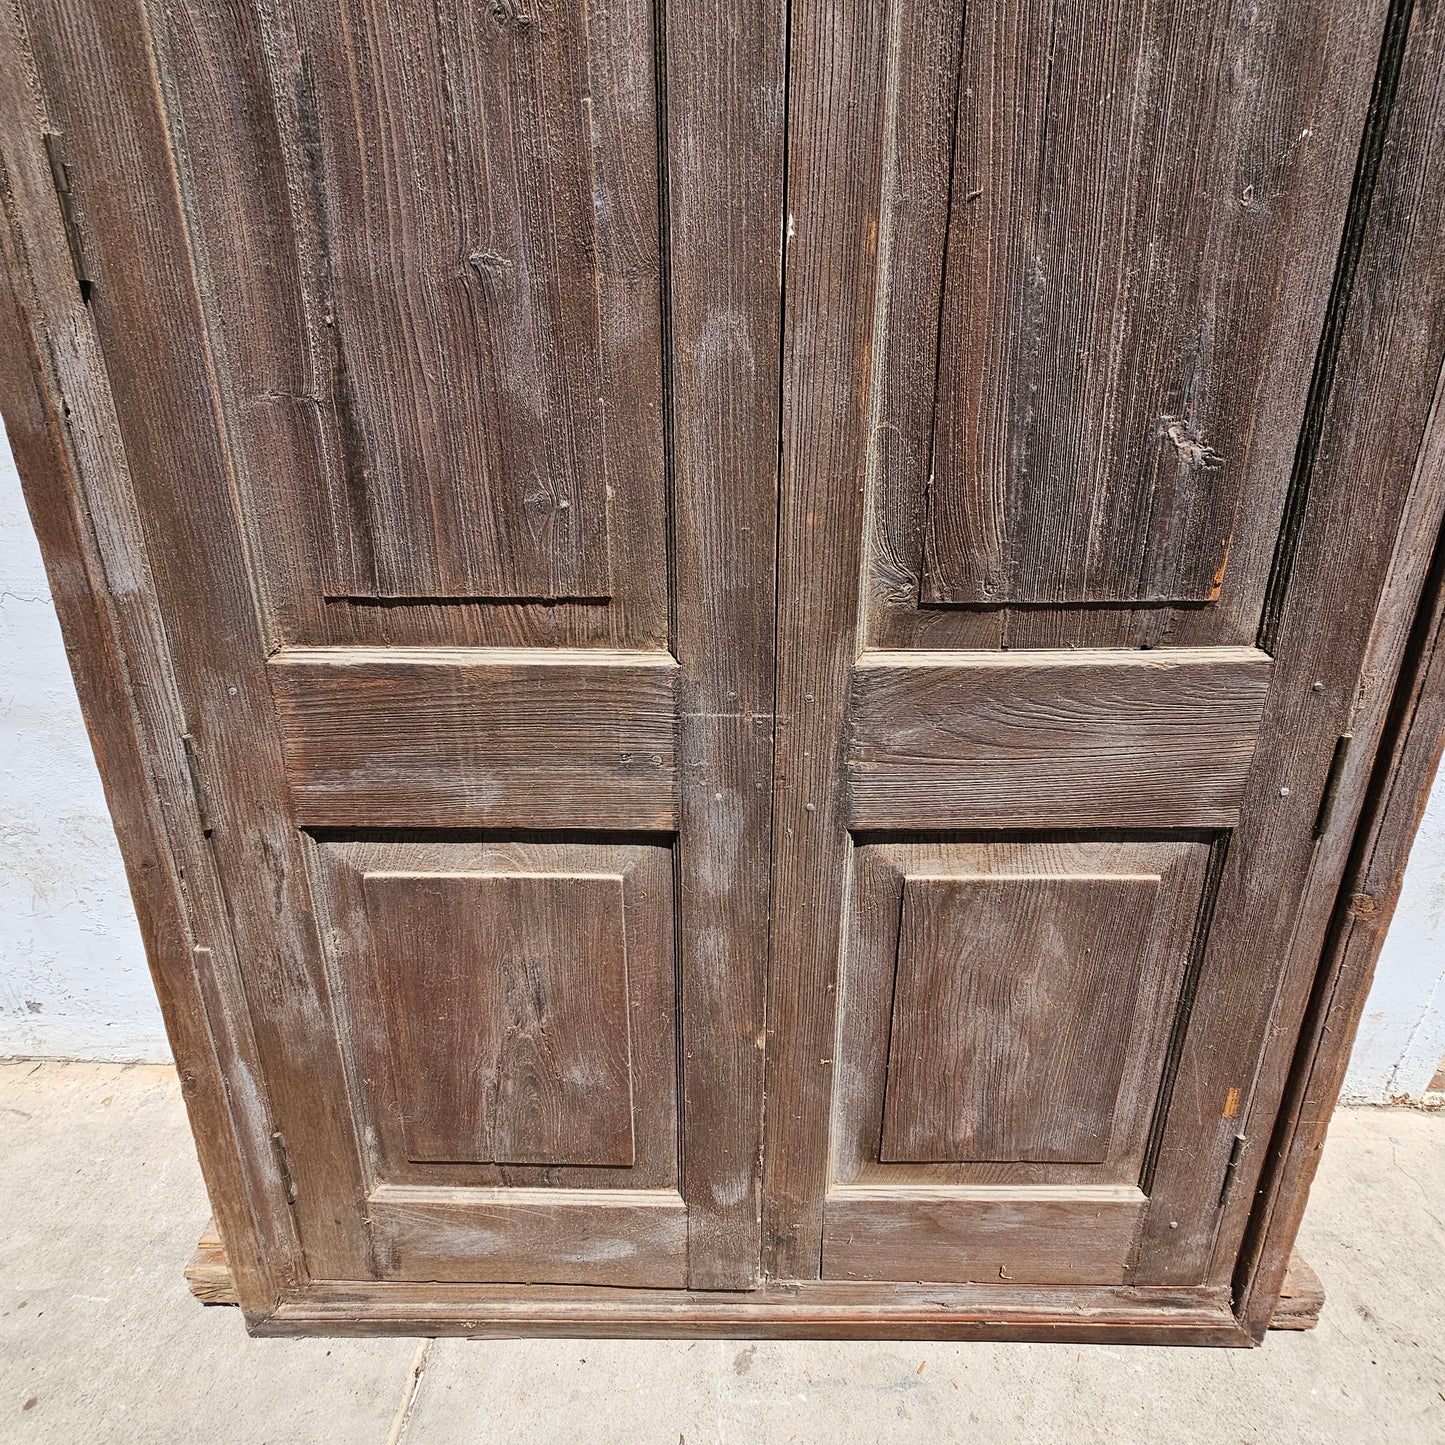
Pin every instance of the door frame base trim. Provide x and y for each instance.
(805, 1310)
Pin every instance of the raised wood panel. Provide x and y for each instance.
(506, 1001)
(1063, 739)
(1078, 1235)
(508, 1008)
(461, 196)
(1007, 1007)
(1013, 1007)
(531, 1236)
(1134, 226)
(388, 738)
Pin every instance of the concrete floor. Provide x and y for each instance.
(101, 1203)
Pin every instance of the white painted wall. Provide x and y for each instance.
(73, 979)
(73, 976)
(1402, 1034)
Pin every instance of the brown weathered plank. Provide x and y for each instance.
(1013, 1008)
(1398, 781)
(249, 104)
(1145, 202)
(835, 170)
(724, 74)
(456, 192)
(532, 1236)
(1317, 79)
(1083, 739)
(96, 70)
(828, 1309)
(507, 1004)
(477, 738)
(1046, 1235)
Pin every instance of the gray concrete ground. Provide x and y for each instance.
(101, 1203)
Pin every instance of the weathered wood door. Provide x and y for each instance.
(1061, 677)
(468, 589)
(726, 644)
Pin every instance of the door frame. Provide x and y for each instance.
(55, 396)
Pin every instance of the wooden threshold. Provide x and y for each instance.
(813, 1310)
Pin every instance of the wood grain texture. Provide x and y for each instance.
(1364, 542)
(1012, 1011)
(208, 1272)
(456, 192)
(1042, 1236)
(1101, 739)
(828, 1309)
(836, 55)
(532, 1236)
(256, 955)
(527, 138)
(190, 225)
(420, 931)
(1396, 782)
(475, 738)
(159, 434)
(870, 89)
(507, 1007)
(870, 994)
(60, 420)
(724, 74)
(1133, 186)
(465, 222)
(1058, 144)
(1301, 1298)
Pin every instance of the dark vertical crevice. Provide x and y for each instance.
(942, 296)
(785, 212)
(664, 298)
(1189, 989)
(1357, 216)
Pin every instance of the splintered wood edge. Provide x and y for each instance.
(1301, 1298)
(209, 1274)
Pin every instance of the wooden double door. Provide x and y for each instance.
(741, 640)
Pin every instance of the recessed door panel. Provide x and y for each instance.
(1133, 185)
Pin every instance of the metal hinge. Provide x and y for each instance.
(1231, 1172)
(1332, 783)
(283, 1162)
(198, 785)
(60, 179)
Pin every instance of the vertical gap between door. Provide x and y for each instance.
(784, 216)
